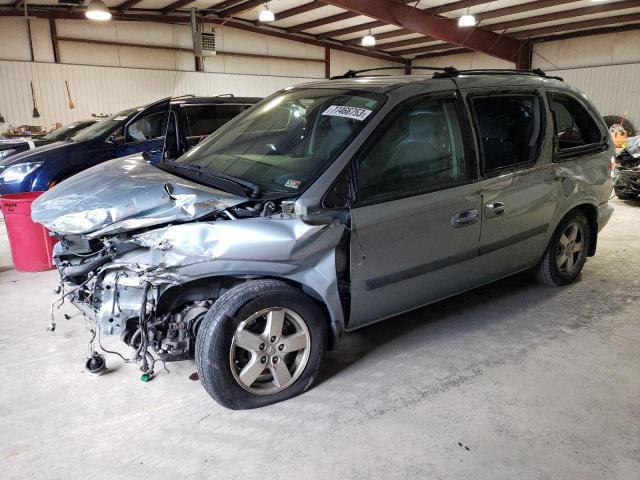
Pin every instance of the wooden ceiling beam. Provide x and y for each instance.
(322, 21)
(44, 12)
(594, 23)
(175, 5)
(292, 12)
(239, 8)
(404, 43)
(453, 6)
(127, 4)
(500, 12)
(442, 28)
(565, 14)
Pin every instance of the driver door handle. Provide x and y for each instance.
(465, 218)
(494, 209)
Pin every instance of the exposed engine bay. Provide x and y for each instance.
(626, 176)
(148, 265)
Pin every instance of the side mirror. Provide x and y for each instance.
(112, 139)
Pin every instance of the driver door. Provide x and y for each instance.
(145, 132)
(416, 221)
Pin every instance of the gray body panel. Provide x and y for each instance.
(414, 253)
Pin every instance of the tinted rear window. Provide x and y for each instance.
(206, 119)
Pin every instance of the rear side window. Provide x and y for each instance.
(205, 119)
(420, 149)
(574, 127)
(509, 127)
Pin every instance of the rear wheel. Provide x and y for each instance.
(260, 343)
(567, 251)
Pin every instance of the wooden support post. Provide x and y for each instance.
(327, 62)
(199, 64)
(54, 39)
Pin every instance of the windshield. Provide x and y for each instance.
(64, 132)
(103, 126)
(286, 140)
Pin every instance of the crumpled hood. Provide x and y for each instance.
(125, 194)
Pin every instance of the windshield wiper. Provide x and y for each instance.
(247, 187)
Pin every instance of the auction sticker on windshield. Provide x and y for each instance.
(354, 113)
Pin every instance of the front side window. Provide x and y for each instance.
(420, 149)
(574, 127)
(284, 142)
(103, 126)
(509, 127)
(147, 127)
(203, 120)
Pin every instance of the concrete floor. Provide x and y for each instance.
(513, 380)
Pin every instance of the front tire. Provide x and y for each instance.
(261, 342)
(567, 251)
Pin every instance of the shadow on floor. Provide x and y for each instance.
(489, 304)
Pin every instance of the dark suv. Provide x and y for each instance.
(325, 208)
(135, 130)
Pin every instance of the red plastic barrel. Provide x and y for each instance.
(30, 243)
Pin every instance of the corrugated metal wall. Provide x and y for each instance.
(107, 90)
(614, 89)
(605, 67)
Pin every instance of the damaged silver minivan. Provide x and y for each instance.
(327, 207)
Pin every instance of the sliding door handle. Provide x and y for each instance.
(494, 209)
(465, 218)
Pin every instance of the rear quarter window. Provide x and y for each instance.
(574, 128)
(203, 120)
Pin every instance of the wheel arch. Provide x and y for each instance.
(590, 210)
(202, 289)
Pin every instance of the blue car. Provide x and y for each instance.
(135, 130)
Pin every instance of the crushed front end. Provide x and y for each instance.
(626, 175)
(144, 255)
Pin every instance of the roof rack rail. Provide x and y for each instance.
(225, 95)
(495, 71)
(188, 95)
(355, 73)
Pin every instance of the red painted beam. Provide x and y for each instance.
(442, 28)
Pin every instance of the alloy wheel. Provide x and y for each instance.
(269, 350)
(570, 248)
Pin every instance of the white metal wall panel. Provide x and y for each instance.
(614, 89)
(605, 67)
(107, 90)
(465, 61)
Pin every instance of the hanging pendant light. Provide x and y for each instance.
(368, 40)
(266, 15)
(97, 10)
(467, 20)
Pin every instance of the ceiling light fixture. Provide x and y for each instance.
(368, 40)
(467, 20)
(97, 10)
(266, 15)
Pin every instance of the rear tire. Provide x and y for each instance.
(261, 342)
(567, 251)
